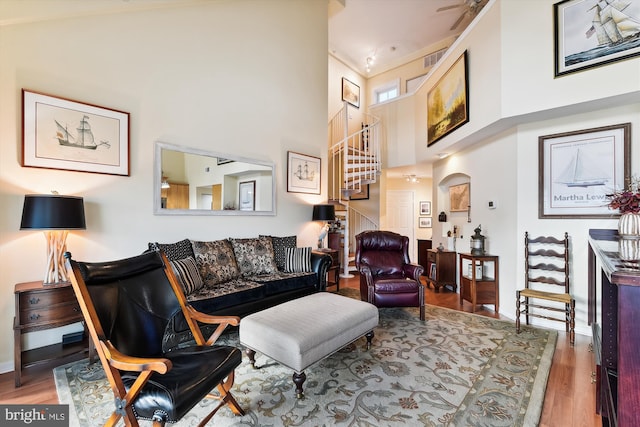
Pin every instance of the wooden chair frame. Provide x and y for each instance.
(525, 296)
(113, 361)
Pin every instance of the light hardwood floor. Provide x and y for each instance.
(569, 399)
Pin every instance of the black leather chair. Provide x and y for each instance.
(387, 277)
(127, 305)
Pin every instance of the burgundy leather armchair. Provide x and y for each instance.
(387, 277)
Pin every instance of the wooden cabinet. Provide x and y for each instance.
(176, 196)
(38, 308)
(334, 241)
(423, 248)
(479, 280)
(614, 315)
(441, 269)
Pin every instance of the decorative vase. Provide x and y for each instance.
(629, 226)
(629, 249)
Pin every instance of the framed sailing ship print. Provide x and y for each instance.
(578, 169)
(303, 173)
(59, 133)
(591, 33)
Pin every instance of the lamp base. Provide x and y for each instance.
(56, 247)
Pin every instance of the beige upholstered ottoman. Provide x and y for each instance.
(301, 332)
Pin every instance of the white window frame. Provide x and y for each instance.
(387, 87)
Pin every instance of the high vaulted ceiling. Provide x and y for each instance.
(394, 31)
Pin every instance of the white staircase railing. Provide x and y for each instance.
(354, 161)
(354, 222)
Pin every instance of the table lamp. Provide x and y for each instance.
(323, 213)
(56, 215)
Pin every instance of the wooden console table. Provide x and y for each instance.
(614, 315)
(38, 308)
(479, 280)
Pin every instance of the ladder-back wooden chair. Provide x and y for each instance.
(127, 305)
(546, 282)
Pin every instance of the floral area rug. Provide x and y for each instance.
(454, 369)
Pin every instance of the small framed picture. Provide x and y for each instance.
(424, 222)
(351, 92)
(363, 194)
(59, 133)
(247, 195)
(303, 173)
(425, 208)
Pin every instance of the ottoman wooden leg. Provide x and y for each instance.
(298, 380)
(252, 357)
(369, 336)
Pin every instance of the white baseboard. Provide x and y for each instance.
(6, 367)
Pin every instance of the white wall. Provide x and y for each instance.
(514, 98)
(247, 77)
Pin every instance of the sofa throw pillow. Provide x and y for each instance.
(216, 261)
(254, 256)
(174, 251)
(298, 260)
(280, 244)
(187, 273)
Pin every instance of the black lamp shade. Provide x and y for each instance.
(324, 213)
(52, 212)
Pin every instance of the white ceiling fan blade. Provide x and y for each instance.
(455, 25)
(442, 9)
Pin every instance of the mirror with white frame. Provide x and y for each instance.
(191, 181)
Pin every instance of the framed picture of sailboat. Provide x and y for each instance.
(578, 169)
(303, 173)
(59, 133)
(591, 33)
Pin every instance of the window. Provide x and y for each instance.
(388, 91)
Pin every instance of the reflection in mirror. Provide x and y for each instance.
(189, 181)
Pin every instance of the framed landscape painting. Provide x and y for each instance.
(351, 92)
(448, 102)
(59, 133)
(591, 33)
(459, 198)
(578, 169)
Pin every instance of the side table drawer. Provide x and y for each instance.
(431, 256)
(45, 298)
(50, 314)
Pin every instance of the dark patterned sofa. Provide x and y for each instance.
(241, 276)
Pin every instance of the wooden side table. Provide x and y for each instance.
(423, 248)
(479, 280)
(38, 308)
(441, 269)
(334, 268)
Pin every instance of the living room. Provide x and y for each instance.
(197, 76)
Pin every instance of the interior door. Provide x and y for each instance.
(400, 217)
